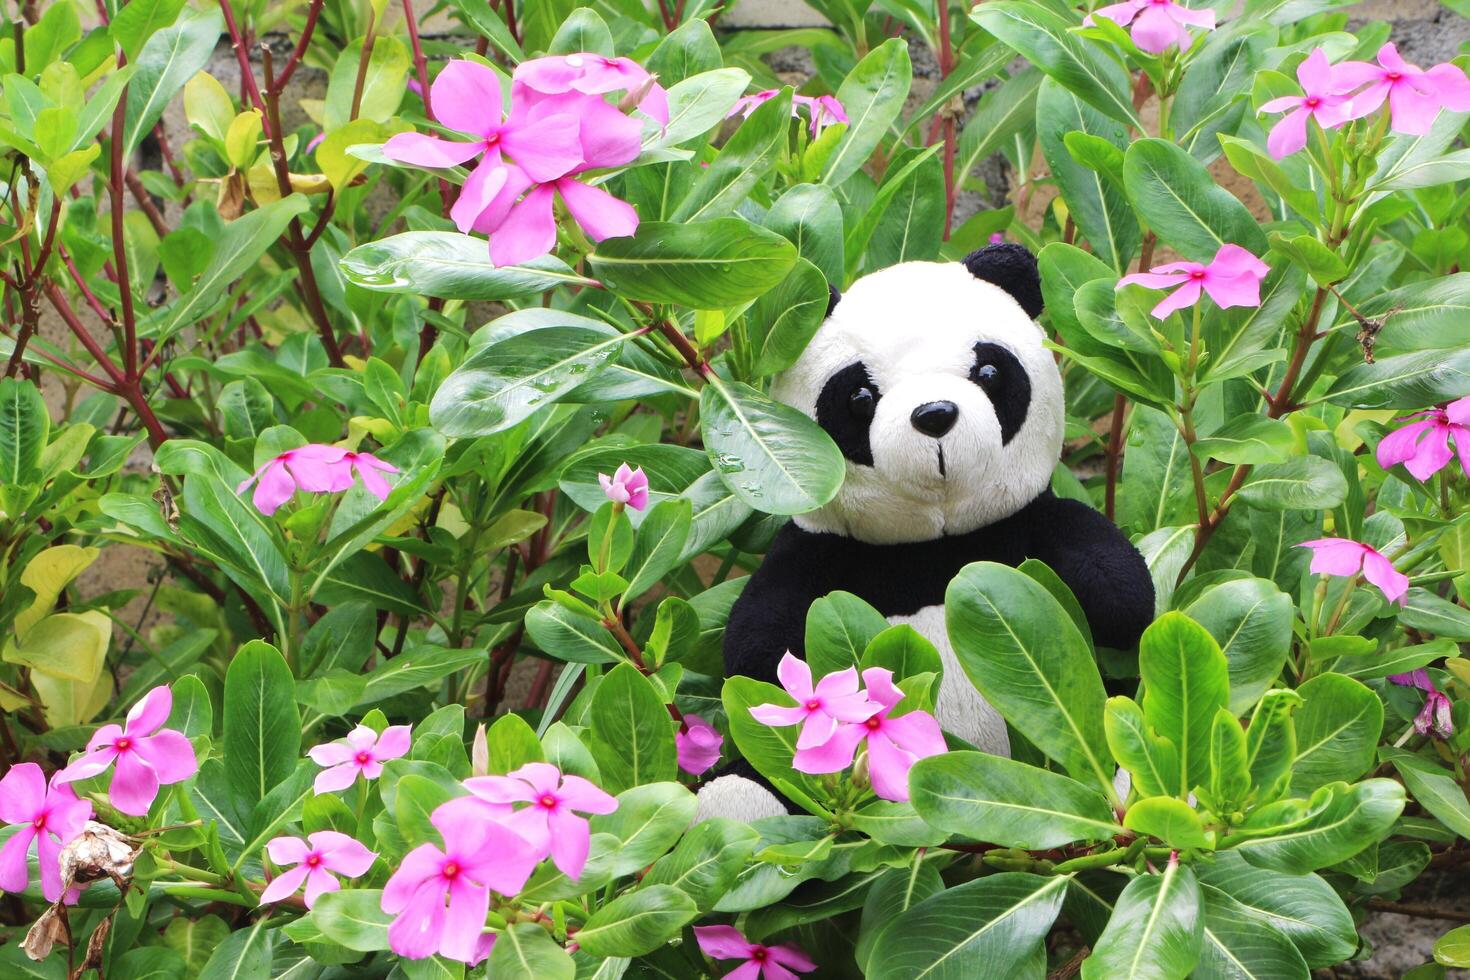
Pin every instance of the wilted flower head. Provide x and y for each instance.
(51, 816)
(315, 468)
(768, 962)
(1415, 97)
(361, 753)
(626, 486)
(698, 745)
(820, 708)
(1321, 100)
(1434, 717)
(317, 864)
(1157, 25)
(1424, 446)
(1233, 278)
(822, 110)
(1344, 557)
(147, 755)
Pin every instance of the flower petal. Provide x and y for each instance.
(466, 97)
(22, 794)
(1335, 556)
(722, 942)
(1380, 571)
(601, 216)
(528, 231)
(584, 796)
(15, 873)
(546, 148)
(134, 785)
(318, 883)
(430, 151)
(571, 839)
(170, 755)
(834, 755)
(795, 677)
(480, 188)
(335, 779)
(284, 885)
(151, 711)
(287, 850)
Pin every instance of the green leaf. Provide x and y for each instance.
(1151, 760)
(351, 918)
(1345, 820)
(262, 726)
(648, 821)
(1156, 930)
(1404, 381)
(502, 384)
(743, 161)
(1337, 732)
(1251, 620)
(1185, 682)
(1179, 200)
(901, 649)
(236, 251)
(909, 221)
(899, 890)
(1425, 314)
(873, 94)
(1238, 945)
(632, 735)
(1453, 948)
(569, 636)
(1247, 439)
(839, 627)
(1434, 787)
(993, 926)
(1024, 654)
(380, 89)
(449, 266)
(772, 456)
(24, 429)
(168, 60)
(658, 547)
(1301, 483)
(1170, 820)
(1271, 741)
(699, 103)
(809, 217)
(1303, 907)
(638, 922)
(1230, 777)
(527, 950)
(245, 955)
(784, 319)
(512, 744)
(687, 51)
(707, 265)
(706, 861)
(1322, 264)
(768, 749)
(1046, 40)
(990, 798)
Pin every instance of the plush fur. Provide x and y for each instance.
(933, 380)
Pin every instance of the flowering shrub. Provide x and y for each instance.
(442, 421)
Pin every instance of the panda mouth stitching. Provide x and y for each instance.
(941, 462)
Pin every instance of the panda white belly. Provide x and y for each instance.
(960, 709)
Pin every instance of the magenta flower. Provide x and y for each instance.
(594, 74)
(548, 823)
(51, 816)
(328, 854)
(824, 110)
(440, 896)
(698, 744)
(1344, 557)
(1320, 100)
(1158, 25)
(147, 755)
(1233, 278)
(361, 753)
(1434, 717)
(626, 486)
(769, 962)
(1415, 97)
(466, 97)
(1424, 446)
(315, 468)
(835, 699)
(894, 744)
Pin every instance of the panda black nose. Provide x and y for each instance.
(935, 418)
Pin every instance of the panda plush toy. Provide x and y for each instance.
(933, 380)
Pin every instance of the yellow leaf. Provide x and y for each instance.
(207, 106)
(72, 702)
(70, 646)
(11, 699)
(241, 139)
(337, 164)
(46, 575)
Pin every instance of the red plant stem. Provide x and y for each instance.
(96, 304)
(115, 184)
(307, 29)
(160, 134)
(62, 307)
(946, 65)
(145, 203)
(1114, 456)
(247, 74)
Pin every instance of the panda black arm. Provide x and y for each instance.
(769, 618)
(1099, 564)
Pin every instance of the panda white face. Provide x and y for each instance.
(935, 385)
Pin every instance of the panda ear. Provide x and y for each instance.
(832, 297)
(1012, 267)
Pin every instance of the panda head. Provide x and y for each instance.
(933, 380)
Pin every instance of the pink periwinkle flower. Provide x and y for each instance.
(51, 816)
(440, 896)
(315, 468)
(318, 860)
(146, 754)
(834, 700)
(548, 822)
(1434, 717)
(1424, 446)
(823, 110)
(626, 486)
(1233, 278)
(594, 74)
(1415, 97)
(997, 238)
(1321, 100)
(781, 962)
(361, 753)
(1344, 557)
(894, 744)
(698, 744)
(466, 97)
(1157, 25)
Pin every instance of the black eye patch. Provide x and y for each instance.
(1001, 376)
(845, 409)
